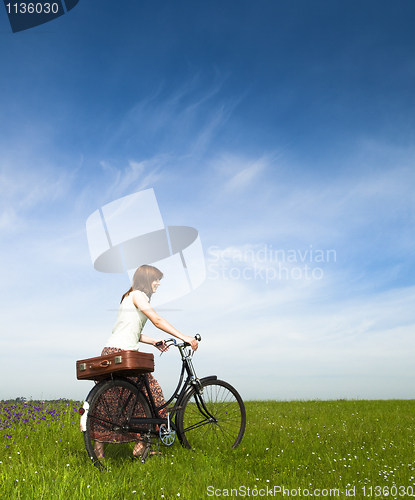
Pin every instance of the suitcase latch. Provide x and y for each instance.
(82, 367)
(117, 360)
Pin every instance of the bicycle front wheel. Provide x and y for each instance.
(215, 417)
(107, 432)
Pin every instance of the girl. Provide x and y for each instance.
(126, 335)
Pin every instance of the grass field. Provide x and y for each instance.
(361, 448)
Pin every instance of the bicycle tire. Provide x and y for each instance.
(225, 404)
(111, 404)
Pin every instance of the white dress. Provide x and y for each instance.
(130, 323)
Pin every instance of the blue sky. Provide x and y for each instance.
(265, 125)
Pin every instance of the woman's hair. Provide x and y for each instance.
(142, 279)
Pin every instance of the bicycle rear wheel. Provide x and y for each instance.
(215, 418)
(110, 406)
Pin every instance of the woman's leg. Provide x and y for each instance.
(138, 449)
(99, 449)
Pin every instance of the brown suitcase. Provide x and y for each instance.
(125, 363)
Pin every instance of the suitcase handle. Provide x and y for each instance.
(103, 364)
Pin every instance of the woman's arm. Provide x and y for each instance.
(141, 303)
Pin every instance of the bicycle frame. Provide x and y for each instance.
(135, 424)
(130, 412)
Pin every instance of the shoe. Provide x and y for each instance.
(146, 452)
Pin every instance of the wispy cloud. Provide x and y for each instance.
(356, 207)
(181, 123)
(135, 176)
(23, 189)
(239, 172)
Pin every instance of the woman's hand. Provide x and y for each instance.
(161, 345)
(192, 341)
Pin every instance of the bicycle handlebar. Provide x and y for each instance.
(176, 344)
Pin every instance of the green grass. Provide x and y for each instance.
(297, 444)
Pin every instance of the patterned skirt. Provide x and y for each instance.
(108, 403)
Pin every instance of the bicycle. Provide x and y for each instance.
(207, 412)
